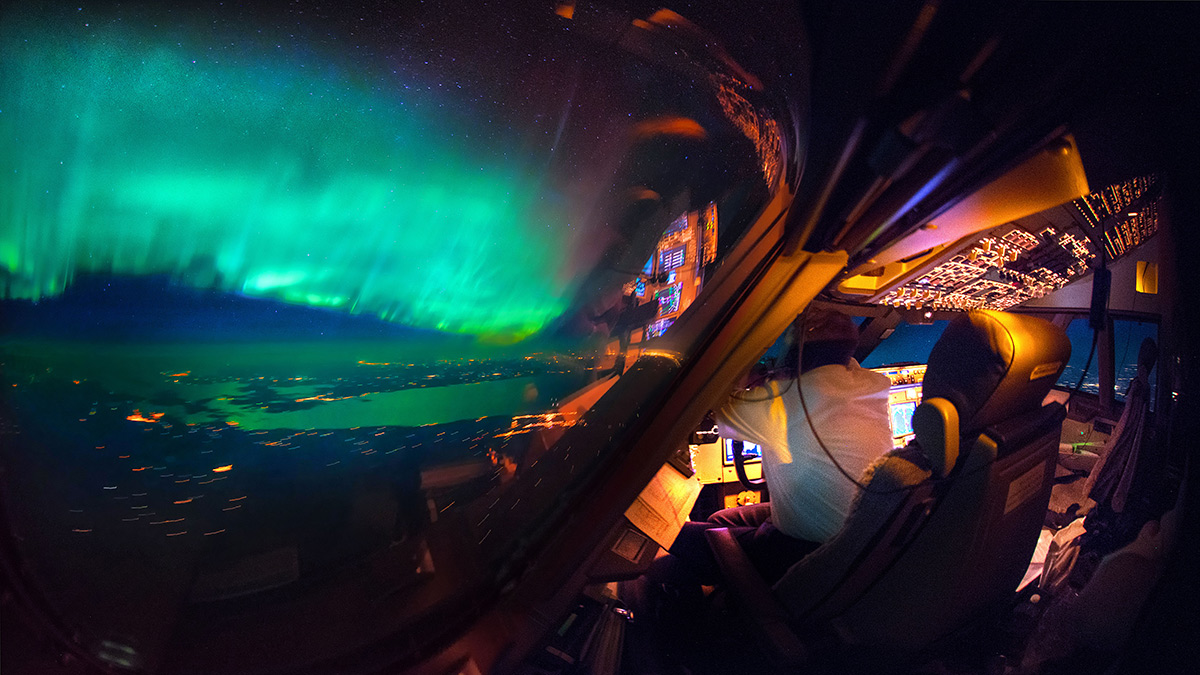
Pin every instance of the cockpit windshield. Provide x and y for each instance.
(293, 297)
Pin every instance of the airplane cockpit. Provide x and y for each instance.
(393, 339)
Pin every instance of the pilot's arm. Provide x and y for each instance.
(755, 415)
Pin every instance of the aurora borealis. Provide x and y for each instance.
(228, 159)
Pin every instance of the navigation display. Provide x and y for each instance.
(903, 398)
(750, 451)
(901, 417)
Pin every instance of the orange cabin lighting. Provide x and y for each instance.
(1147, 277)
(223, 469)
(670, 126)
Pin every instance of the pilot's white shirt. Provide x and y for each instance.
(810, 498)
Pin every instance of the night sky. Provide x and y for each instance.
(339, 161)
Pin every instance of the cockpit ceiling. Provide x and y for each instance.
(1024, 259)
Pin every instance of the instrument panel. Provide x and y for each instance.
(903, 398)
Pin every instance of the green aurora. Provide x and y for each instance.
(268, 171)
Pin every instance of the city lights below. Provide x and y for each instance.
(524, 424)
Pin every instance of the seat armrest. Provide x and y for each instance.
(764, 612)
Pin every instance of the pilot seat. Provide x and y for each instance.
(944, 528)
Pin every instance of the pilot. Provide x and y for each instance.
(811, 476)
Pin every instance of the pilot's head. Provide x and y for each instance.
(829, 338)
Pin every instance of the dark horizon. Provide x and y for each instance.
(113, 308)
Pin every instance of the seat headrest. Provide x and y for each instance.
(992, 365)
(935, 422)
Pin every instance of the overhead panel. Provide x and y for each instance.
(1051, 177)
(1009, 265)
(1123, 228)
(1033, 256)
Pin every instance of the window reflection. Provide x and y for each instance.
(299, 304)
